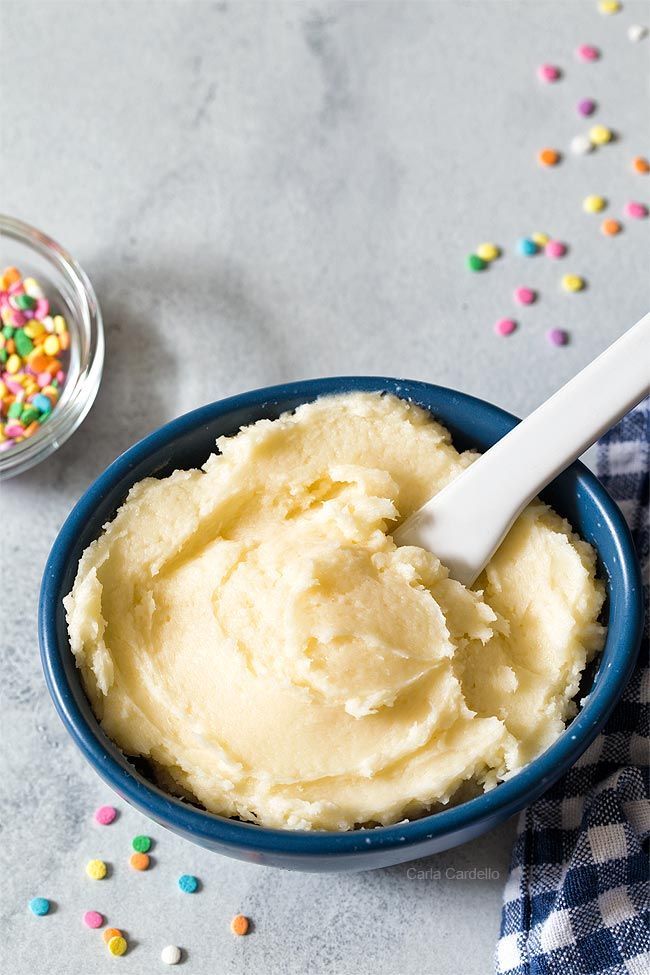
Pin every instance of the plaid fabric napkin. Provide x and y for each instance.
(576, 901)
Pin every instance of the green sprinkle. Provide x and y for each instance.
(24, 344)
(476, 263)
(8, 331)
(141, 844)
(29, 415)
(15, 410)
(25, 302)
(4, 355)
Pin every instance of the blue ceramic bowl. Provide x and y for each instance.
(187, 442)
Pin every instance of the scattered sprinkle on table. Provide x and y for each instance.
(594, 203)
(93, 919)
(488, 252)
(476, 263)
(170, 955)
(638, 211)
(580, 145)
(586, 107)
(555, 249)
(139, 861)
(640, 164)
(609, 7)
(527, 247)
(117, 945)
(32, 372)
(96, 869)
(141, 844)
(611, 227)
(548, 157)
(557, 336)
(505, 326)
(40, 906)
(524, 296)
(111, 933)
(572, 282)
(239, 925)
(541, 239)
(587, 52)
(549, 73)
(600, 135)
(636, 32)
(105, 815)
(188, 884)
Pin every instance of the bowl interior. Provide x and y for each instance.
(186, 443)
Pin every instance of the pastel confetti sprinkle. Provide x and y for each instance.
(640, 164)
(548, 157)
(111, 933)
(600, 135)
(141, 844)
(117, 945)
(239, 925)
(557, 336)
(609, 7)
(476, 263)
(96, 869)
(93, 919)
(527, 247)
(524, 296)
(555, 249)
(39, 906)
(170, 955)
(188, 884)
(541, 239)
(587, 52)
(505, 326)
(586, 107)
(636, 33)
(105, 815)
(488, 252)
(139, 861)
(638, 211)
(572, 282)
(549, 73)
(580, 145)
(610, 228)
(594, 203)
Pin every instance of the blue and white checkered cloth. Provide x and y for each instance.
(576, 901)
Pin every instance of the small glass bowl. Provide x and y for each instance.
(70, 294)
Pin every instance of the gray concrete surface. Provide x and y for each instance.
(263, 192)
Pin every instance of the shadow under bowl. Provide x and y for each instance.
(186, 443)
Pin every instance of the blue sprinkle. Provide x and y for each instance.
(42, 403)
(527, 247)
(188, 884)
(39, 906)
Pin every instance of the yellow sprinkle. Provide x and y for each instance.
(51, 345)
(608, 7)
(13, 364)
(488, 252)
(33, 288)
(34, 328)
(117, 945)
(3, 390)
(594, 204)
(599, 135)
(60, 324)
(573, 282)
(96, 869)
(541, 239)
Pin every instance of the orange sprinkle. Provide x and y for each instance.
(139, 861)
(32, 428)
(640, 165)
(239, 924)
(111, 933)
(548, 157)
(10, 276)
(611, 227)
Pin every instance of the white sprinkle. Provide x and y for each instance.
(636, 32)
(581, 145)
(171, 955)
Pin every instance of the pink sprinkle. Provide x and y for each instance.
(638, 211)
(14, 429)
(105, 814)
(555, 248)
(11, 384)
(44, 379)
(549, 72)
(42, 308)
(586, 106)
(93, 919)
(16, 288)
(557, 336)
(587, 52)
(17, 318)
(524, 296)
(505, 326)
(60, 377)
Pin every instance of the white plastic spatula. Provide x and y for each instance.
(465, 523)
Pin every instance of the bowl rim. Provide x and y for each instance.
(509, 797)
